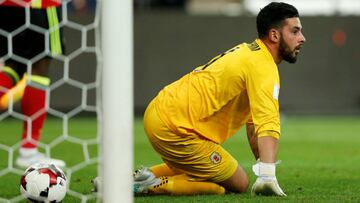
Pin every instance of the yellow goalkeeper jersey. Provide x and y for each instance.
(238, 86)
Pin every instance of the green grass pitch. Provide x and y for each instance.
(320, 159)
(320, 162)
(71, 150)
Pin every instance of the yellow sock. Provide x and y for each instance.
(163, 170)
(16, 93)
(180, 185)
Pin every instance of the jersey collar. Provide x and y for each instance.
(265, 49)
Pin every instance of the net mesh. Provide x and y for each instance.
(71, 131)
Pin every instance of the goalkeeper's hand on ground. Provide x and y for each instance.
(266, 183)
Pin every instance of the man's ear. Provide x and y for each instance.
(274, 35)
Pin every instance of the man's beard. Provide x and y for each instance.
(285, 52)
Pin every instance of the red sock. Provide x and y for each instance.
(33, 104)
(5, 82)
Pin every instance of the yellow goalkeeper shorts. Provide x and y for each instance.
(190, 153)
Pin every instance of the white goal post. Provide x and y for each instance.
(117, 94)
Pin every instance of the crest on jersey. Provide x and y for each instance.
(215, 158)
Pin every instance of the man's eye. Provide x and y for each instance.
(296, 32)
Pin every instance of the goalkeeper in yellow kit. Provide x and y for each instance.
(189, 119)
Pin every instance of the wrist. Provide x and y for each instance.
(262, 169)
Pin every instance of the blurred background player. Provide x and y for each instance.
(16, 82)
(189, 119)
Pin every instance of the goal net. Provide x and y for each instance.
(79, 103)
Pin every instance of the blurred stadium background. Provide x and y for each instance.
(172, 37)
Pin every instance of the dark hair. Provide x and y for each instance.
(272, 16)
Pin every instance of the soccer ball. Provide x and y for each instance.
(43, 183)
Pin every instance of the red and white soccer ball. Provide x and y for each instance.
(43, 183)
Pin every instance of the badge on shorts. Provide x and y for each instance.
(215, 158)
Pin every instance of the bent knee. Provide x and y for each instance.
(237, 183)
(244, 184)
(241, 181)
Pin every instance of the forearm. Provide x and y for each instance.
(253, 140)
(265, 146)
(268, 147)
